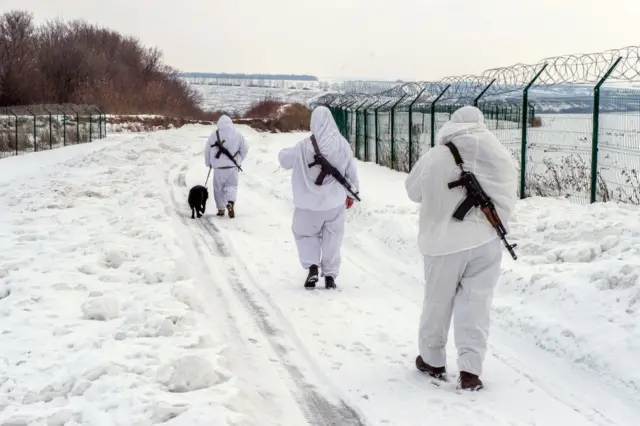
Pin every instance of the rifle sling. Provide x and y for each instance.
(456, 154)
(468, 202)
(316, 150)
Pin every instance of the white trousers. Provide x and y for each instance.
(319, 236)
(225, 186)
(459, 284)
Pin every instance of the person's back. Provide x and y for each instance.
(306, 194)
(484, 156)
(319, 215)
(461, 258)
(230, 139)
(225, 175)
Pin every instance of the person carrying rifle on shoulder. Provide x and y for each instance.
(225, 150)
(325, 183)
(467, 190)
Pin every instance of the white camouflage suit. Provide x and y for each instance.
(225, 173)
(461, 258)
(319, 216)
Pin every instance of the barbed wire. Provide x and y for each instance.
(566, 69)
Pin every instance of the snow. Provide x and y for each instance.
(117, 309)
(238, 100)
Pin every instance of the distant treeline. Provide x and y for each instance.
(295, 77)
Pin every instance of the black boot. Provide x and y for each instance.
(312, 278)
(469, 382)
(232, 212)
(439, 373)
(329, 282)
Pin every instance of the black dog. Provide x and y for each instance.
(198, 196)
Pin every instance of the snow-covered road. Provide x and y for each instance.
(116, 308)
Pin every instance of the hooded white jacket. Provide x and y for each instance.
(482, 155)
(233, 141)
(306, 194)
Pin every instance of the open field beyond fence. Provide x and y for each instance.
(572, 122)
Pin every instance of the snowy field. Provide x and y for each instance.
(558, 152)
(236, 100)
(118, 309)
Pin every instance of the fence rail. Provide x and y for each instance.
(571, 122)
(35, 128)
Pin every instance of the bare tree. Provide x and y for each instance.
(76, 62)
(16, 57)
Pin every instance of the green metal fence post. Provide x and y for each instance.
(99, 123)
(523, 147)
(477, 99)
(339, 119)
(347, 119)
(375, 111)
(357, 144)
(332, 110)
(342, 121)
(337, 115)
(596, 130)
(355, 154)
(411, 126)
(77, 123)
(104, 119)
(393, 131)
(14, 114)
(50, 127)
(343, 118)
(50, 131)
(433, 115)
(64, 127)
(366, 139)
(35, 130)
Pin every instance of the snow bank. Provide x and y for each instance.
(100, 323)
(575, 290)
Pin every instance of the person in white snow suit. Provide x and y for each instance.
(225, 150)
(461, 258)
(319, 216)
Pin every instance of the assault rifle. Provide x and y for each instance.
(327, 168)
(224, 150)
(476, 197)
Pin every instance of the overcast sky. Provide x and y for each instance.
(390, 39)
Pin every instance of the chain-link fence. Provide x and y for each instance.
(571, 122)
(40, 127)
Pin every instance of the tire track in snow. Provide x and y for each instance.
(317, 408)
